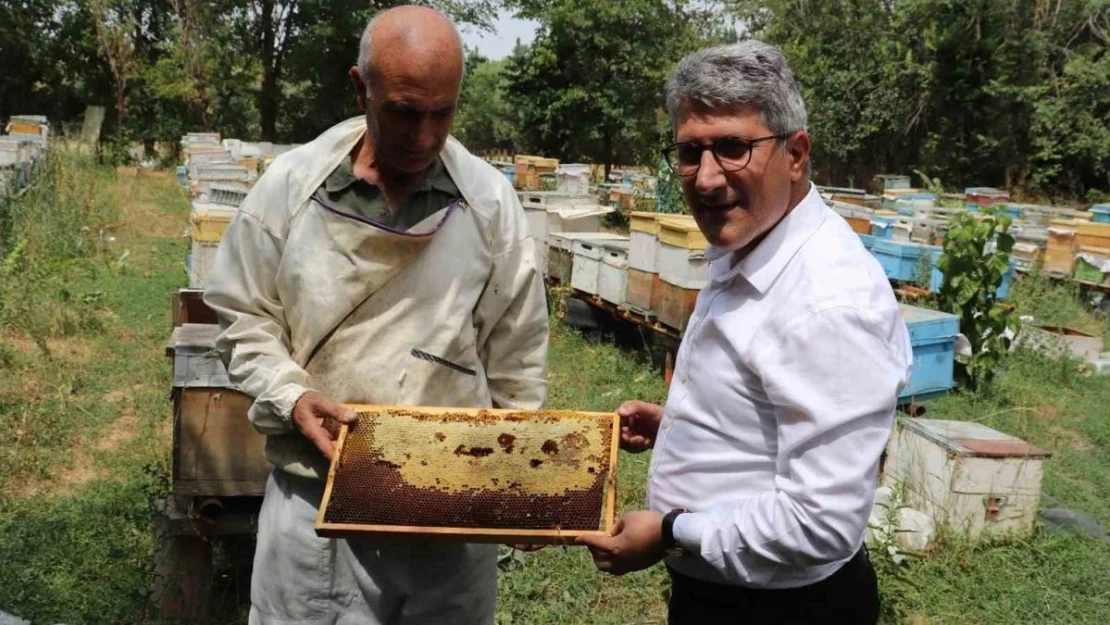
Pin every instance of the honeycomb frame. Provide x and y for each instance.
(474, 513)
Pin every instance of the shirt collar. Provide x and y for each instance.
(763, 264)
(437, 178)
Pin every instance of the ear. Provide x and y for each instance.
(360, 87)
(797, 149)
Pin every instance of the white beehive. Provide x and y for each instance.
(966, 475)
(586, 271)
(613, 277)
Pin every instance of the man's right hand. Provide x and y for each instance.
(316, 417)
(639, 425)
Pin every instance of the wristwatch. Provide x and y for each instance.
(670, 546)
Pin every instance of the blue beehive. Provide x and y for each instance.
(900, 260)
(933, 337)
(1100, 213)
(882, 227)
(181, 174)
(868, 241)
(938, 276)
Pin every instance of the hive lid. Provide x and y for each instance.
(472, 475)
(644, 221)
(565, 240)
(681, 231)
(970, 439)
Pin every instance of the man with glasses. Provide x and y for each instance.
(766, 455)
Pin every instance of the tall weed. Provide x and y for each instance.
(57, 226)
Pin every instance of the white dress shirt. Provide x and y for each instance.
(782, 401)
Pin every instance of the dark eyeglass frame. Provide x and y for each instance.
(670, 152)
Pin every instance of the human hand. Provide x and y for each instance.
(639, 425)
(635, 544)
(318, 419)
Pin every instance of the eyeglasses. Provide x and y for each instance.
(731, 153)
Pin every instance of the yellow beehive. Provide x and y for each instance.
(1059, 255)
(523, 163)
(208, 226)
(642, 221)
(1092, 234)
(25, 128)
(249, 162)
(681, 231)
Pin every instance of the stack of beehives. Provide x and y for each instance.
(218, 175)
(530, 173)
(22, 151)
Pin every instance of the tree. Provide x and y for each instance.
(590, 87)
(485, 121)
(977, 92)
(304, 48)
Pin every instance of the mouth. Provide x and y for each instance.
(720, 208)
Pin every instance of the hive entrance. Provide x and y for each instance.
(482, 475)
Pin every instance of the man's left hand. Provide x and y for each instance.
(636, 544)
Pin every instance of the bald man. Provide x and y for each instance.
(381, 263)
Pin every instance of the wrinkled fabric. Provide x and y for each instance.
(782, 402)
(304, 579)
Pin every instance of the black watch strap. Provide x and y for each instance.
(668, 528)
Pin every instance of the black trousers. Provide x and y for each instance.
(848, 597)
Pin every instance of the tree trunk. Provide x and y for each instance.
(607, 152)
(268, 96)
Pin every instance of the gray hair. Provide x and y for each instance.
(364, 49)
(749, 73)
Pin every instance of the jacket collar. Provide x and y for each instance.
(766, 262)
(328, 151)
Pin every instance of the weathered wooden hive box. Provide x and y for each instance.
(975, 479)
(216, 452)
(473, 475)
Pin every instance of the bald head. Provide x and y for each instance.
(408, 39)
(409, 74)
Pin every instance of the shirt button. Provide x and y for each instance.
(381, 212)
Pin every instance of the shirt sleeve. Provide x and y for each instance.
(833, 379)
(511, 318)
(254, 343)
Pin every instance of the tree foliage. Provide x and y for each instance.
(273, 69)
(589, 88)
(486, 120)
(975, 258)
(1012, 93)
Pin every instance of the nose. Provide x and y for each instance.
(427, 132)
(710, 176)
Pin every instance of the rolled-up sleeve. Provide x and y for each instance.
(254, 343)
(833, 378)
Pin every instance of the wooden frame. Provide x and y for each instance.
(465, 534)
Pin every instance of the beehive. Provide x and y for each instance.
(474, 475)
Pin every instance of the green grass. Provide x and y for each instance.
(84, 416)
(84, 444)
